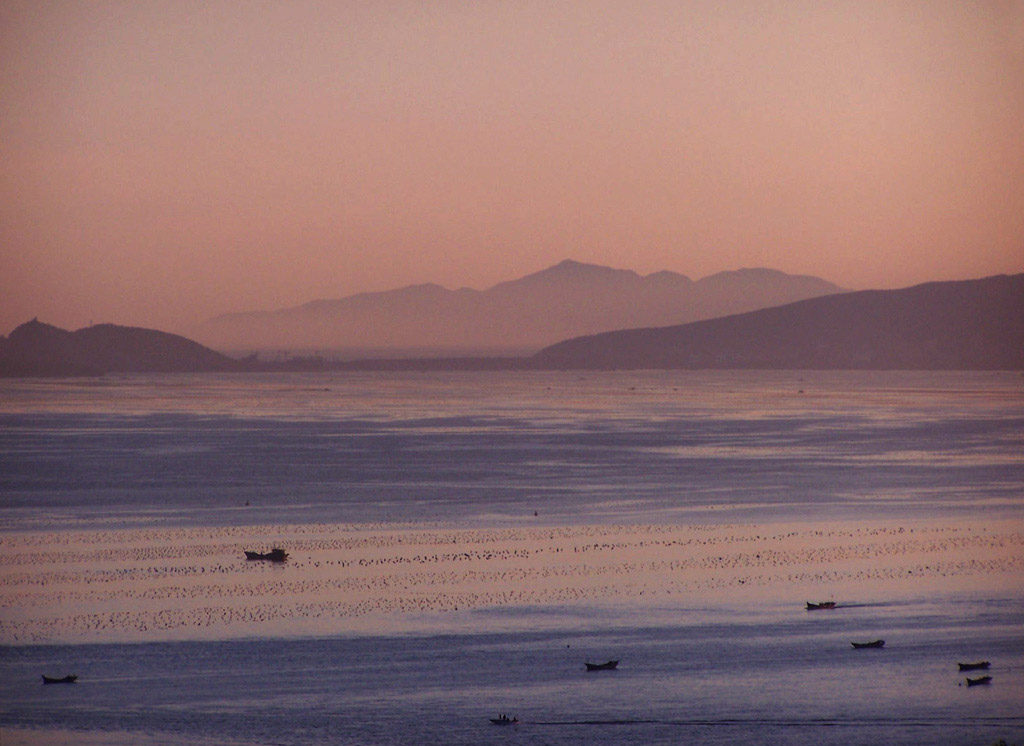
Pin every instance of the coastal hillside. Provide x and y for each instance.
(38, 349)
(962, 325)
(522, 315)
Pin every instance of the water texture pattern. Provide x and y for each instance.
(460, 546)
(613, 447)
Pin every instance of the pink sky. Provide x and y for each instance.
(167, 161)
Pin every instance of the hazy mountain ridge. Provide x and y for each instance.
(960, 325)
(38, 349)
(566, 300)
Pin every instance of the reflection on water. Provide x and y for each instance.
(637, 447)
(423, 633)
(196, 583)
(461, 544)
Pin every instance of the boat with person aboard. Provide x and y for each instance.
(823, 605)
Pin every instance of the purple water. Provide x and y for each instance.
(487, 450)
(656, 446)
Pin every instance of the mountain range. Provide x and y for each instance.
(523, 315)
(962, 325)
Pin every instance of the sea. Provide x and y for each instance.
(462, 542)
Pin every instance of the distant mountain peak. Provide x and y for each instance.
(35, 329)
(573, 267)
(665, 275)
(570, 270)
(572, 264)
(561, 301)
(756, 277)
(35, 323)
(757, 273)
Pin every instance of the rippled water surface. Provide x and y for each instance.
(714, 676)
(682, 520)
(666, 446)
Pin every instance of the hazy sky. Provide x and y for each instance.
(166, 161)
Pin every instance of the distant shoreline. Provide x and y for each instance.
(963, 325)
(469, 365)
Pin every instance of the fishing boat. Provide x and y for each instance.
(979, 666)
(504, 720)
(274, 555)
(70, 679)
(823, 605)
(863, 645)
(980, 681)
(609, 666)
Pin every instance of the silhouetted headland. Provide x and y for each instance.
(35, 349)
(961, 325)
(38, 349)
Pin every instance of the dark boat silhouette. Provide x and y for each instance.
(609, 666)
(69, 679)
(979, 666)
(822, 605)
(863, 645)
(504, 720)
(980, 681)
(274, 555)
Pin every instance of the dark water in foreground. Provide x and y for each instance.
(719, 677)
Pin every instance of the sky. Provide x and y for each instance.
(164, 161)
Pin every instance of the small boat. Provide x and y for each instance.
(504, 720)
(70, 679)
(979, 666)
(822, 605)
(274, 555)
(980, 681)
(863, 645)
(609, 666)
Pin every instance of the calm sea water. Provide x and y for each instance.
(656, 446)
(492, 449)
(711, 678)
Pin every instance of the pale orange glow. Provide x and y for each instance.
(159, 584)
(164, 162)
